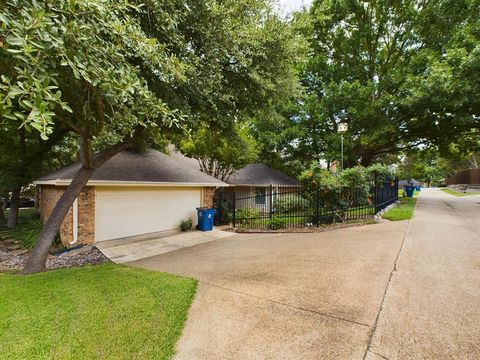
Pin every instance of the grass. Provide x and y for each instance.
(457, 193)
(402, 211)
(96, 312)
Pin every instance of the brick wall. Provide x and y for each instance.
(208, 196)
(86, 216)
(49, 196)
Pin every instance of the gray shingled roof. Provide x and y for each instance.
(152, 166)
(260, 174)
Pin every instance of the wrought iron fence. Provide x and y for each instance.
(286, 206)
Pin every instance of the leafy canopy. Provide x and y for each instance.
(398, 74)
(218, 154)
(82, 64)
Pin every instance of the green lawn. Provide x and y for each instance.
(402, 211)
(460, 194)
(97, 312)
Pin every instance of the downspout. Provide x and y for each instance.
(75, 221)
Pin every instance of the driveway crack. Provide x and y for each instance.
(374, 353)
(316, 312)
(374, 328)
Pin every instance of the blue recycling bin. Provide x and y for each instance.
(205, 218)
(418, 188)
(409, 190)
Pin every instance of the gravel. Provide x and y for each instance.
(13, 259)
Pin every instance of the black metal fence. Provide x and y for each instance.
(286, 206)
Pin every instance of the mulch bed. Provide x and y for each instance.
(13, 258)
(310, 229)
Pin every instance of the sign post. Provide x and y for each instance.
(342, 128)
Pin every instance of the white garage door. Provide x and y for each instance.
(127, 212)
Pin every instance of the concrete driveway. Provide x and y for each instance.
(397, 290)
(291, 296)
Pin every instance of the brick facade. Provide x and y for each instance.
(208, 197)
(86, 216)
(49, 196)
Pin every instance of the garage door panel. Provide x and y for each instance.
(123, 213)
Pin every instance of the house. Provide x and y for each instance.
(258, 185)
(131, 194)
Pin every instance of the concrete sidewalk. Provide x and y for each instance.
(432, 306)
(126, 250)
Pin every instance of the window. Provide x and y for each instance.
(260, 195)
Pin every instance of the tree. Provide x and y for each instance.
(81, 65)
(23, 157)
(220, 154)
(371, 66)
(116, 74)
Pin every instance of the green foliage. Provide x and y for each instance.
(27, 234)
(277, 223)
(58, 66)
(119, 305)
(402, 211)
(285, 203)
(219, 153)
(246, 216)
(460, 194)
(381, 172)
(398, 75)
(344, 190)
(28, 228)
(186, 224)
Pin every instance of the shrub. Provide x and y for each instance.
(27, 233)
(382, 172)
(276, 223)
(186, 224)
(246, 216)
(289, 202)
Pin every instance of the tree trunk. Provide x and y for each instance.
(38, 257)
(14, 203)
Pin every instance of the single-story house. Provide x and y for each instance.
(257, 185)
(131, 194)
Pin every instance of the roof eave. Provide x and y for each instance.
(66, 182)
(264, 185)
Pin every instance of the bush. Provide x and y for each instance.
(382, 172)
(246, 216)
(186, 224)
(289, 202)
(27, 234)
(277, 223)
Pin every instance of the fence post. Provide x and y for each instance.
(271, 201)
(375, 190)
(234, 207)
(396, 189)
(317, 205)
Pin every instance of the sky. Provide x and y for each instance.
(288, 6)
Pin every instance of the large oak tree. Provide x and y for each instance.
(399, 73)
